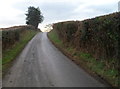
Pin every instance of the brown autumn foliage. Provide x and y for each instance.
(98, 36)
(12, 35)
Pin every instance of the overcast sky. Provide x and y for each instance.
(12, 12)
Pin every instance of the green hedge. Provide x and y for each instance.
(12, 35)
(98, 36)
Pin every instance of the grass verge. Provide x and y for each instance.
(85, 60)
(10, 54)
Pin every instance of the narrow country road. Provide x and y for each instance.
(42, 65)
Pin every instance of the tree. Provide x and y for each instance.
(34, 16)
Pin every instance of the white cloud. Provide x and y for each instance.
(13, 11)
(9, 16)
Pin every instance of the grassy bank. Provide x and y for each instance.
(11, 53)
(87, 61)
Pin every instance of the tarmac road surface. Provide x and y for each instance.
(41, 64)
